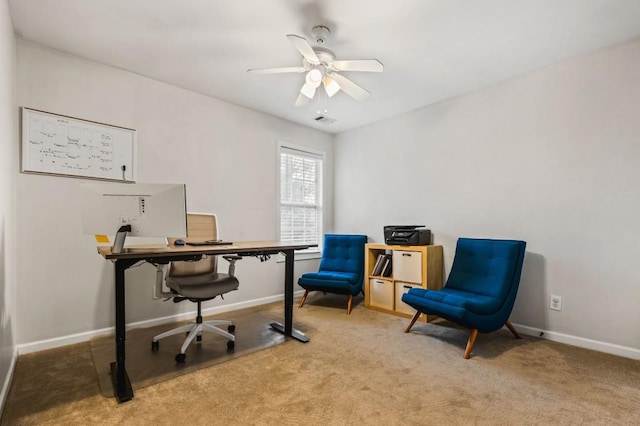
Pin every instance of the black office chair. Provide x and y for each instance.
(200, 281)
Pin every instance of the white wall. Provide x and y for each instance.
(225, 154)
(8, 155)
(551, 157)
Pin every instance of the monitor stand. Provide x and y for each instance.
(121, 235)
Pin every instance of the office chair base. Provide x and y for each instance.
(195, 329)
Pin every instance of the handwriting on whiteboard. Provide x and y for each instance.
(61, 145)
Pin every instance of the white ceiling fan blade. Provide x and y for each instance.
(276, 70)
(309, 90)
(350, 88)
(369, 65)
(301, 44)
(302, 100)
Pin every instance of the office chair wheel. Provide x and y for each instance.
(155, 345)
(231, 329)
(230, 345)
(180, 358)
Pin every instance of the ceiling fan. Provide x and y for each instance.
(321, 67)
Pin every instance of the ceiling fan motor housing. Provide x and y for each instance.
(320, 33)
(325, 57)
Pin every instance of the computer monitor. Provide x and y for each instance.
(137, 209)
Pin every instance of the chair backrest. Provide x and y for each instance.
(200, 227)
(343, 253)
(487, 267)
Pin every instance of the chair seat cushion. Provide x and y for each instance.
(456, 299)
(330, 280)
(204, 286)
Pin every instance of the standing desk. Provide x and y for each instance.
(122, 261)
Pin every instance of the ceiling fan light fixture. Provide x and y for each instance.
(320, 66)
(330, 86)
(314, 77)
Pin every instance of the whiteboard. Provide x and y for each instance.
(67, 146)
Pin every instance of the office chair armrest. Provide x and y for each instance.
(157, 288)
(232, 259)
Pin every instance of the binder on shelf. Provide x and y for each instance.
(377, 269)
(388, 269)
(385, 262)
(375, 266)
(383, 266)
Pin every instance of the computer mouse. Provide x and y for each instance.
(179, 242)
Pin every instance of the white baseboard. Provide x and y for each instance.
(609, 348)
(56, 342)
(42, 345)
(7, 381)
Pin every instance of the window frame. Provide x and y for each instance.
(315, 154)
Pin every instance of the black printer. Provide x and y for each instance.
(407, 235)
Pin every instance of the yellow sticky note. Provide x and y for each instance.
(102, 238)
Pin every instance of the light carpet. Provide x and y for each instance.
(357, 369)
(146, 367)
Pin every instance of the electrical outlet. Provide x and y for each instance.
(555, 303)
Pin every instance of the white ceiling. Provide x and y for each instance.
(431, 49)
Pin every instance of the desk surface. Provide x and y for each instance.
(173, 250)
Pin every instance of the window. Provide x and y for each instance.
(301, 185)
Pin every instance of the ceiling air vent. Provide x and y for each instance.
(325, 119)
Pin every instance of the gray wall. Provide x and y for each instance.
(8, 155)
(551, 157)
(225, 154)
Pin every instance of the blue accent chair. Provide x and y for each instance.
(480, 291)
(341, 268)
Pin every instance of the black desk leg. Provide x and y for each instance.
(288, 329)
(119, 378)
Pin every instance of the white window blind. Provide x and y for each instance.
(300, 196)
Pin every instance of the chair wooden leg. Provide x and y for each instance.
(304, 298)
(413, 321)
(470, 343)
(349, 304)
(513, 330)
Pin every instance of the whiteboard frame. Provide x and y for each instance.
(25, 117)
